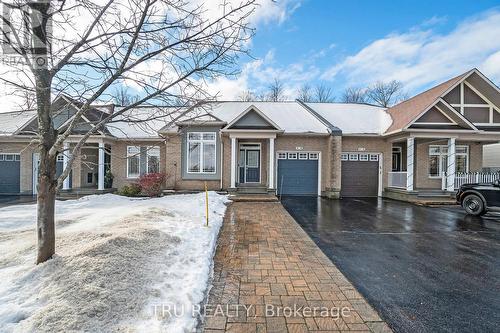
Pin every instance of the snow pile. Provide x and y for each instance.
(118, 261)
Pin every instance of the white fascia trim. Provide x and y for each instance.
(260, 113)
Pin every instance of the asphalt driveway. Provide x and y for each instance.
(10, 200)
(424, 269)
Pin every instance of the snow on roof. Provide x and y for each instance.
(354, 118)
(289, 116)
(10, 122)
(146, 122)
(132, 123)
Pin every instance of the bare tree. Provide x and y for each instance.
(386, 93)
(124, 98)
(167, 48)
(323, 94)
(247, 96)
(305, 93)
(276, 91)
(354, 95)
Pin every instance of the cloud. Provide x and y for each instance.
(421, 57)
(266, 11)
(257, 75)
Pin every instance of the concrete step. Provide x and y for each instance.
(253, 197)
(252, 190)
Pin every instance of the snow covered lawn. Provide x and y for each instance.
(120, 263)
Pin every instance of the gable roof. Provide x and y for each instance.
(405, 112)
(11, 122)
(291, 117)
(252, 118)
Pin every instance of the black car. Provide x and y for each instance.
(478, 199)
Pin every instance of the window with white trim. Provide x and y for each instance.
(438, 160)
(374, 157)
(201, 152)
(133, 161)
(292, 156)
(313, 156)
(353, 157)
(363, 157)
(282, 156)
(153, 162)
(344, 157)
(10, 157)
(303, 156)
(60, 158)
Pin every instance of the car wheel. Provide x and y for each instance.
(473, 205)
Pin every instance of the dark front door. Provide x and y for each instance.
(252, 166)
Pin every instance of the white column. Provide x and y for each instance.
(100, 185)
(410, 158)
(233, 162)
(65, 165)
(450, 170)
(270, 176)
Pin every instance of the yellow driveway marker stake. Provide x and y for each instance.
(206, 201)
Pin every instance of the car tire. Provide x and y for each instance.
(473, 205)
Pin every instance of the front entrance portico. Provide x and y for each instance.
(252, 156)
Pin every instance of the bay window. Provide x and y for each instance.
(438, 160)
(201, 152)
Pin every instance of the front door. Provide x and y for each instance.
(249, 164)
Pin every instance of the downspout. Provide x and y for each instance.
(221, 160)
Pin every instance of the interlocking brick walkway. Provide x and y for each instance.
(265, 261)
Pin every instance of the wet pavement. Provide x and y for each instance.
(10, 200)
(424, 269)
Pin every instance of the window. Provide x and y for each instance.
(303, 156)
(396, 158)
(90, 178)
(133, 161)
(344, 157)
(374, 157)
(153, 163)
(60, 158)
(292, 156)
(363, 157)
(201, 152)
(282, 156)
(9, 157)
(353, 157)
(313, 156)
(438, 160)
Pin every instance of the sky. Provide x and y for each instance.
(344, 44)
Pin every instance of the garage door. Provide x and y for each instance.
(10, 169)
(360, 173)
(298, 173)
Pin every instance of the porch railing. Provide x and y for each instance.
(397, 179)
(475, 177)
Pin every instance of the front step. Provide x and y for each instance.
(252, 190)
(238, 197)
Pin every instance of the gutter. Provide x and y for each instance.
(334, 130)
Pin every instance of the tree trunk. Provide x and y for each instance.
(47, 184)
(46, 207)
